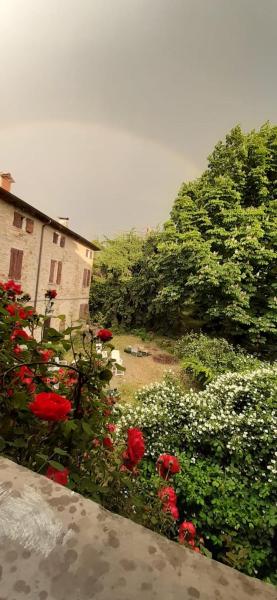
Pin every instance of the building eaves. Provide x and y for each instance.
(31, 210)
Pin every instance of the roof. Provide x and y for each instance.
(28, 208)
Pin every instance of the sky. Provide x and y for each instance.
(107, 106)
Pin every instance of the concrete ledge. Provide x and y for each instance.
(56, 545)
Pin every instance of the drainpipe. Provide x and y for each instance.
(39, 260)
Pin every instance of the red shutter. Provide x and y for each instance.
(29, 225)
(19, 261)
(59, 272)
(16, 259)
(17, 220)
(52, 271)
(88, 278)
(12, 262)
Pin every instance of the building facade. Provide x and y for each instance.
(41, 253)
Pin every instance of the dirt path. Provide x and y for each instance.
(140, 371)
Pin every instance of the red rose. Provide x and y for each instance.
(58, 476)
(111, 427)
(11, 308)
(107, 442)
(20, 333)
(168, 494)
(173, 510)
(50, 407)
(25, 374)
(51, 294)
(46, 355)
(104, 335)
(167, 465)
(12, 287)
(25, 314)
(187, 531)
(135, 449)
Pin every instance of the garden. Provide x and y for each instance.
(191, 454)
(198, 466)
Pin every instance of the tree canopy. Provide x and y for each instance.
(214, 263)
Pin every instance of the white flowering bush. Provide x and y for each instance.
(234, 419)
(224, 438)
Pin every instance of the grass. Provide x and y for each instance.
(141, 371)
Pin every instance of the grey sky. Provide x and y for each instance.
(106, 106)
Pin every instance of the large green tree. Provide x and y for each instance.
(214, 263)
(219, 246)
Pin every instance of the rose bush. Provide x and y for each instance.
(60, 421)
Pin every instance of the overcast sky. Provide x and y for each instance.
(106, 106)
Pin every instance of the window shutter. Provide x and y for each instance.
(62, 241)
(18, 267)
(17, 220)
(55, 237)
(29, 225)
(12, 262)
(59, 272)
(52, 271)
(16, 259)
(84, 278)
(88, 278)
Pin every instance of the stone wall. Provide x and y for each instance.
(56, 545)
(71, 293)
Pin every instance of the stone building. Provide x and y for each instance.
(41, 253)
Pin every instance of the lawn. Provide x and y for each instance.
(141, 371)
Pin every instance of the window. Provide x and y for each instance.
(87, 251)
(55, 237)
(83, 312)
(29, 225)
(86, 278)
(90, 254)
(18, 220)
(59, 272)
(16, 259)
(62, 241)
(52, 271)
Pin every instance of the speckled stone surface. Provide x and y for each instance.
(56, 545)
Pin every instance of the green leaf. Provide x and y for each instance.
(43, 457)
(60, 451)
(56, 465)
(87, 429)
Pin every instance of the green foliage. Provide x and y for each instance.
(113, 272)
(204, 357)
(235, 514)
(213, 266)
(225, 439)
(76, 443)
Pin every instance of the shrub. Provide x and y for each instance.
(204, 357)
(59, 421)
(225, 439)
